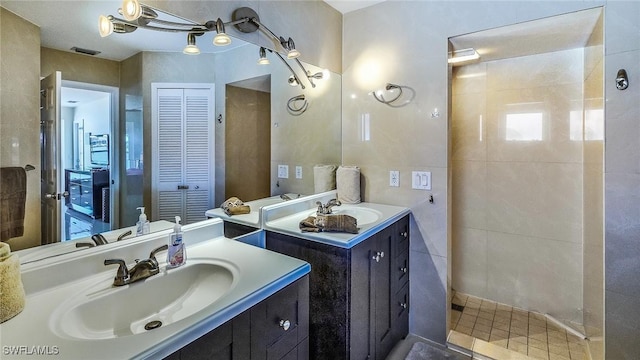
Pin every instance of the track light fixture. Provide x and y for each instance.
(137, 15)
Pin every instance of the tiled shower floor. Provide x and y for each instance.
(528, 333)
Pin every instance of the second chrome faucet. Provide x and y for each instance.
(141, 270)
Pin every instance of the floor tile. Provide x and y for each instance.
(538, 353)
(538, 344)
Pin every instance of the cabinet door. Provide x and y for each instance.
(381, 260)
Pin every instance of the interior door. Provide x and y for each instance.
(51, 192)
(182, 153)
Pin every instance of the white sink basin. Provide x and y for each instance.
(103, 311)
(364, 216)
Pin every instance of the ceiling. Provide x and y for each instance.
(70, 23)
(561, 32)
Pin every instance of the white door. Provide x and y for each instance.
(51, 186)
(182, 152)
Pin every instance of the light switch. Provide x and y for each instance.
(298, 172)
(421, 180)
(283, 171)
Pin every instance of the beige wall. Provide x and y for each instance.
(79, 67)
(413, 140)
(248, 143)
(517, 204)
(19, 113)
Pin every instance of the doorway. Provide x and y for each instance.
(248, 139)
(88, 119)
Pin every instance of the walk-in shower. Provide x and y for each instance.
(527, 122)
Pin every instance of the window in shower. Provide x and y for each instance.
(524, 127)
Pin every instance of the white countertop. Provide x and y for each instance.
(258, 273)
(288, 223)
(253, 219)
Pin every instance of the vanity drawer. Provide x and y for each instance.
(400, 270)
(281, 322)
(402, 235)
(401, 313)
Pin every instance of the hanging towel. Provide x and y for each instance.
(13, 196)
(235, 206)
(11, 289)
(324, 178)
(348, 184)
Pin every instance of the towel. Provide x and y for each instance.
(235, 206)
(13, 196)
(11, 289)
(330, 223)
(324, 178)
(348, 184)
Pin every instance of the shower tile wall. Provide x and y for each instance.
(20, 114)
(517, 182)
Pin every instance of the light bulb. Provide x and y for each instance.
(105, 26)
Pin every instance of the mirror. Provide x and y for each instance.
(297, 140)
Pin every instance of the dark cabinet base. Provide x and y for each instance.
(259, 333)
(358, 305)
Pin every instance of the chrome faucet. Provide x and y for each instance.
(97, 239)
(326, 209)
(141, 270)
(123, 235)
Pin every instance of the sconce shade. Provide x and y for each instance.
(105, 26)
(131, 9)
(191, 48)
(221, 38)
(263, 57)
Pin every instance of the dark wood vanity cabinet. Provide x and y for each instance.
(276, 328)
(85, 190)
(359, 297)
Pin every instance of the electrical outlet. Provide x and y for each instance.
(283, 171)
(298, 172)
(394, 178)
(421, 180)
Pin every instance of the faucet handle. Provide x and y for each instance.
(123, 273)
(320, 208)
(152, 256)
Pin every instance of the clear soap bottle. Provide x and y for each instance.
(142, 226)
(177, 254)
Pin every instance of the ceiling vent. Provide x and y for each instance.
(85, 51)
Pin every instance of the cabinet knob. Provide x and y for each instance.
(403, 305)
(285, 324)
(404, 234)
(403, 269)
(379, 255)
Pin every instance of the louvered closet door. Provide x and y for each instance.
(183, 154)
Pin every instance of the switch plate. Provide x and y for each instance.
(421, 180)
(394, 178)
(283, 171)
(298, 172)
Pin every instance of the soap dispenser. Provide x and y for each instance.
(142, 226)
(177, 254)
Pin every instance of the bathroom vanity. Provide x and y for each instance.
(275, 328)
(359, 284)
(229, 296)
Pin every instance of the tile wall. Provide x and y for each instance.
(517, 181)
(413, 52)
(20, 114)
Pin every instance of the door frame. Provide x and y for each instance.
(114, 142)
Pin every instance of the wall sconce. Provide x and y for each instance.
(622, 81)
